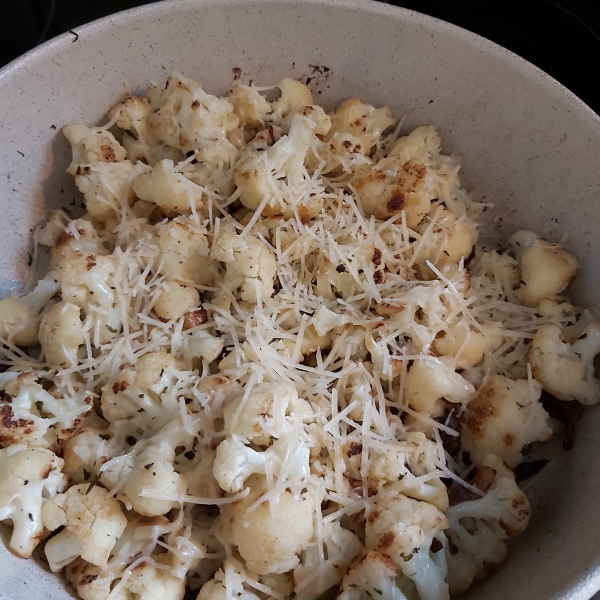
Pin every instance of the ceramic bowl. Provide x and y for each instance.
(529, 146)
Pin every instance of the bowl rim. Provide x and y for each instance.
(588, 583)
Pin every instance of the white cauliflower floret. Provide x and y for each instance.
(250, 107)
(287, 457)
(92, 145)
(391, 187)
(138, 392)
(429, 380)
(275, 178)
(107, 188)
(33, 416)
(186, 117)
(362, 121)
(371, 575)
(175, 300)
(61, 334)
(149, 480)
(314, 576)
(422, 143)
(29, 476)
(566, 370)
(503, 418)
(294, 94)
(202, 345)
(86, 277)
(85, 453)
(226, 583)
(250, 264)
(20, 315)
(546, 269)
(461, 343)
(131, 115)
(184, 252)
(324, 320)
(447, 241)
(477, 528)
(164, 186)
(93, 521)
(264, 413)
(270, 537)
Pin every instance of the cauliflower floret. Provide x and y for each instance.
(314, 576)
(86, 277)
(20, 315)
(398, 526)
(566, 370)
(477, 528)
(141, 388)
(131, 115)
(33, 416)
(447, 241)
(29, 476)
(61, 334)
(390, 187)
(227, 576)
(250, 107)
(93, 521)
(175, 300)
(85, 453)
(275, 177)
(250, 264)
(422, 143)
(186, 117)
(146, 480)
(546, 269)
(404, 529)
(363, 121)
(92, 145)
(294, 94)
(371, 575)
(429, 380)
(264, 413)
(270, 537)
(147, 581)
(164, 186)
(461, 343)
(287, 457)
(505, 416)
(107, 188)
(183, 252)
(324, 320)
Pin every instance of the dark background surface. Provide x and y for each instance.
(562, 37)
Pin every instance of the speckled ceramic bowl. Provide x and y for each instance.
(528, 144)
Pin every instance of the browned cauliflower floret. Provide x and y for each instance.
(391, 187)
(462, 344)
(546, 269)
(362, 121)
(270, 537)
(566, 370)
(92, 145)
(93, 521)
(478, 527)
(503, 418)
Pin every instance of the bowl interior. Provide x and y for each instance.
(529, 146)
